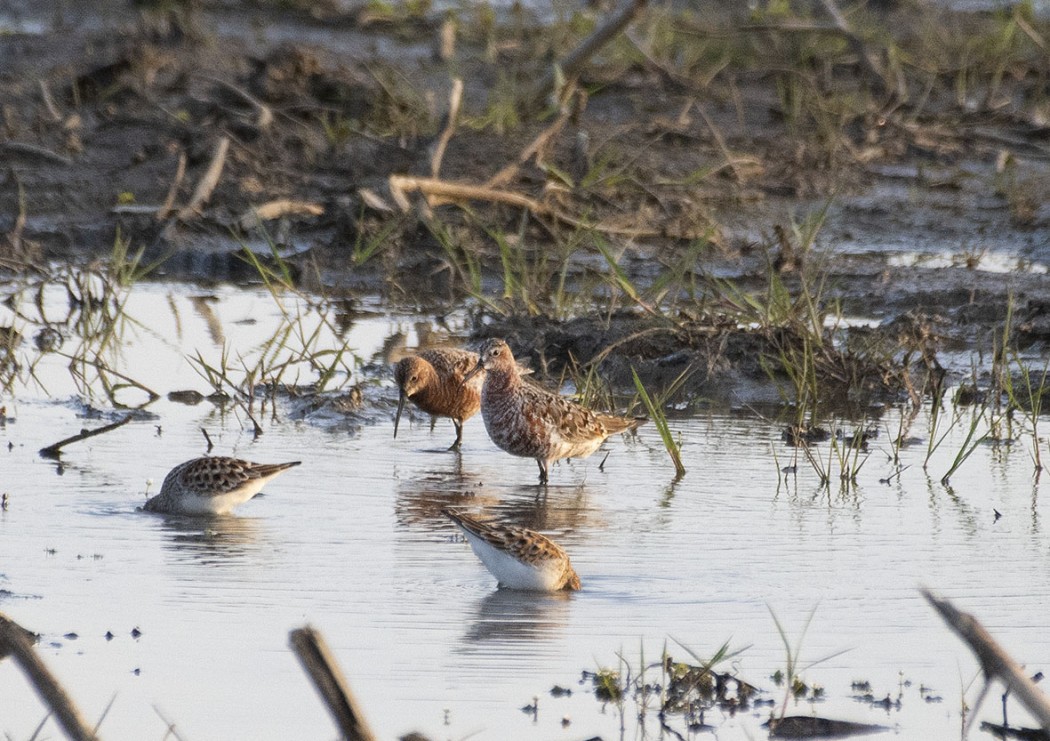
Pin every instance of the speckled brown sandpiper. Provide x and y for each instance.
(527, 420)
(517, 557)
(435, 381)
(213, 485)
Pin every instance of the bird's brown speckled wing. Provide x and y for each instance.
(573, 422)
(527, 545)
(450, 362)
(214, 476)
(218, 475)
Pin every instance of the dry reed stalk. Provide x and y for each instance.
(318, 662)
(208, 182)
(995, 662)
(14, 640)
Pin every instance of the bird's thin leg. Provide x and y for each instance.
(543, 470)
(459, 434)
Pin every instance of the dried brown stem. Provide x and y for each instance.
(439, 192)
(996, 663)
(208, 181)
(14, 640)
(455, 99)
(49, 102)
(312, 650)
(169, 203)
(276, 209)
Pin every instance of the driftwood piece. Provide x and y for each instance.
(569, 67)
(13, 640)
(995, 662)
(208, 181)
(52, 451)
(312, 650)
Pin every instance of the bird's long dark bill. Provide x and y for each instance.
(474, 371)
(400, 408)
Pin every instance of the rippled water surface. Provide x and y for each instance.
(353, 543)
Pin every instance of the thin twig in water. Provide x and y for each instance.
(52, 451)
(170, 730)
(207, 439)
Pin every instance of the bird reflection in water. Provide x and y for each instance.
(510, 616)
(213, 541)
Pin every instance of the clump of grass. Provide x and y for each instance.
(678, 688)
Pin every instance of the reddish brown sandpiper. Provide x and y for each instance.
(213, 485)
(519, 558)
(527, 420)
(435, 381)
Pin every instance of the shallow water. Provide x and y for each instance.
(353, 543)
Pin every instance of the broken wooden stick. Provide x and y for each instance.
(15, 641)
(312, 651)
(569, 67)
(995, 662)
(52, 451)
(208, 181)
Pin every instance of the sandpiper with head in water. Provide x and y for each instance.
(212, 485)
(526, 420)
(519, 558)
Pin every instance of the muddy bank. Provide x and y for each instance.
(726, 187)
